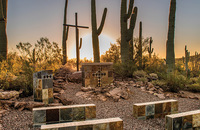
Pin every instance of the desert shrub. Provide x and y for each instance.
(139, 73)
(124, 70)
(194, 87)
(161, 83)
(16, 73)
(176, 82)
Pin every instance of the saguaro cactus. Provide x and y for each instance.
(3, 34)
(65, 35)
(127, 33)
(150, 49)
(196, 60)
(96, 32)
(78, 53)
(170, 56)
(140, 46)
(186, 60)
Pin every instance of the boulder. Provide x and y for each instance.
(75, 77)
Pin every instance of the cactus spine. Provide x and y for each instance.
(140, 46)
(186, 60)
(3, 25)
(65, 35)
(96, 32)
(127, 33)
(170, 56)
(150, 49)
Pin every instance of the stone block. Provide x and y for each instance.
(97, 74)
(158, 109)
(60, 114)
(183, 121)
(98, 124)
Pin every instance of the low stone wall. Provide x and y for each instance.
(100, 124)
(60, 114)
(183, 121)
(158, 109)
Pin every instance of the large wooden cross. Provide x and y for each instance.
(77, 38)
(99, 75)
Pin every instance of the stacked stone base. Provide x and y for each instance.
(60, 114)
(183, 121)
(158, 109)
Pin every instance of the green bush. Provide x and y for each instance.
(176, 82)
(194, 87)
(139, 73)
(124, 70)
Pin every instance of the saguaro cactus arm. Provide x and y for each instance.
(130, 8)
(80, 43)
(102, 22)
(132, 24)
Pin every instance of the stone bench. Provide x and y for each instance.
(156, 109)
(98, 124)
(60, 114)
(183, 121)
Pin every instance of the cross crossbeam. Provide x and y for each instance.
(75, 26)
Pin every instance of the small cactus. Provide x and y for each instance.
(150, 50)
(186, 60)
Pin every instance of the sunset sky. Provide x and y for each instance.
(28, 20)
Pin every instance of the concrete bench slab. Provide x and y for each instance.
(60, 114)
(157, 109)
(183, 121)
(98, 124)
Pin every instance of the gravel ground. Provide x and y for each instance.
(16, 120)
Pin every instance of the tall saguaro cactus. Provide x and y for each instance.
(140, 46)
(150, 49)
(170, 56)
(96, 32)
(196, 60)
(127, 33)
(3, 34)
(65, 35)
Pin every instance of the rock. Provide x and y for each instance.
(125, 95)
(151, 92)
(75, 77)
(56, 94)
(30, 105)
(3, 111)
(86, 89)
(57, 90)
(161, 96)
(62, 91)
(56, 100)
(102, 97)
(65, 101)
(143, 88)
(79, 94)
(150, 85)
(20, 105)
(5, 95)
(153, 76)
(7, 102)
(115, 91)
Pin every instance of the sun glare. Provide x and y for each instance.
(87, 51)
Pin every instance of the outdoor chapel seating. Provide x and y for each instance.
(157, 109)
(182, 121)
(59, 114)
(98, 124)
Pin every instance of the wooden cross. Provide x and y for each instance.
(99, 75)
(77, 38)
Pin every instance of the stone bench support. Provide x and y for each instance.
(183, 121)
(156, 109)
(98, 124)
(60, 114)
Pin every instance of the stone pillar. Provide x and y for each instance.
(43, 86)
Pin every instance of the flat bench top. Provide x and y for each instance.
(60, 107)
(156, 102)
(104, 63)
(184, 114)
(89, 122)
